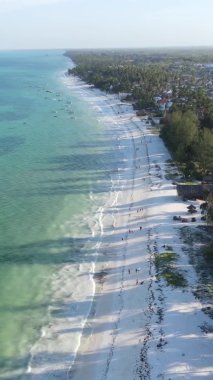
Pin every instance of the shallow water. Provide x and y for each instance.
(55, 163)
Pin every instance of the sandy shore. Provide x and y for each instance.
(139, 327)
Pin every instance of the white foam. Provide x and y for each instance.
(74, 285)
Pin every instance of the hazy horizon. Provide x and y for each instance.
(112, 48)
(101, 24)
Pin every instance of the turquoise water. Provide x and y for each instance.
(53, 155)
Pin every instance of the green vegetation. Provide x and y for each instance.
(210, 209)
(174, 278)
(189, 144)
(164, 263)
(163, 259)
(199, 247)
(171, 83)
(117, 73)
(208, 253)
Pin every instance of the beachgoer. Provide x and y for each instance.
(129, 271)
(141, 283)
(137, 282)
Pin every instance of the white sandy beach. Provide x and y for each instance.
(138, 327)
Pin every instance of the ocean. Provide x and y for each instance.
(55, 163)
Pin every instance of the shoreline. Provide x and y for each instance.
(130, 332)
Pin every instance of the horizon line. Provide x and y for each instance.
(111, 48)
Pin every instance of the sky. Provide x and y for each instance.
(62, 24)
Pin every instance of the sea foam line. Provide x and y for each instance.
(97, 230)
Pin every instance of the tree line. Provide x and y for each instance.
(142, 75)
(190, 144)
